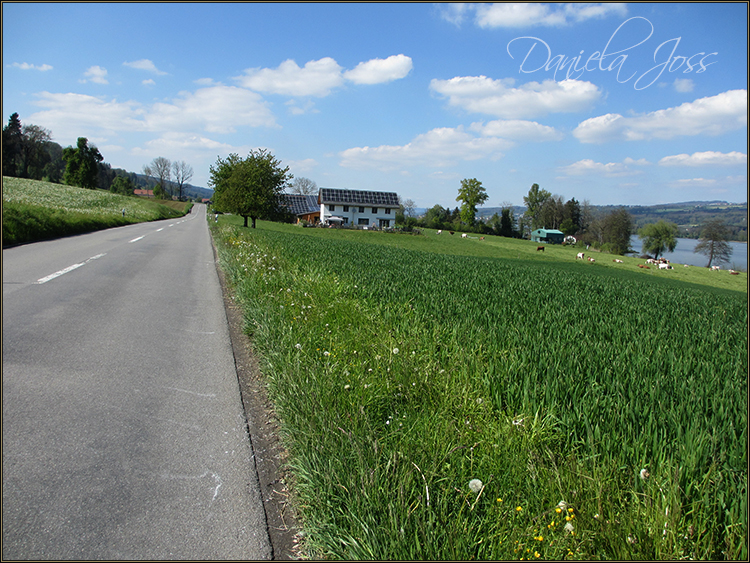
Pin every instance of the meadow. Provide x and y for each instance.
(34, 210)
(447, 398)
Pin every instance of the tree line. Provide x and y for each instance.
(29, 152)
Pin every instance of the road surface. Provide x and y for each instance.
(124, 435)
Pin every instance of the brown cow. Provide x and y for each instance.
(540, 248)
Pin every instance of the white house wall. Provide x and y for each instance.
(353, 215)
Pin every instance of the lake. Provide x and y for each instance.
(683, 253)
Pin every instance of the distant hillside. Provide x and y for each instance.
(188, 190)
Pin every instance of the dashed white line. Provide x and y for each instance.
(136, 239)
(66, 270)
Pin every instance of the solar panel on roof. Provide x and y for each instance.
(363, 197)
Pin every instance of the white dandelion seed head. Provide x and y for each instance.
(569, 527)
(395, 350)
(347, 387)
(475, 485)
(326, 353)
(644, 474)
(298, 346)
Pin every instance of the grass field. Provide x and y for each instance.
(35, 210)
(448, 398)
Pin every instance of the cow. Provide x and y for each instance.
(451, 232)
(644, 266)
(590, 259)
(618, 261)
(464, 235)
(579, 256)
(664, 266)
(538, 248)
(440, 231)
(716, 267)
(481, 238)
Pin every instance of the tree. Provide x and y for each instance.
(304, 186)
(572, 212)
(249, 187)
(161, 169)
(713, 242)
(183, 172)
(12, 141)
(33, 154)
(617, 228)
(122, 185)
(534, 202)
(659, 237)
(82, 164)
(551, 213)
(471, 193)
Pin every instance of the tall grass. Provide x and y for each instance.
(605, 417)
(35, 210)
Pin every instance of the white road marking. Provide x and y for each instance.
(159, 230)
(68, 269)
(136, 239)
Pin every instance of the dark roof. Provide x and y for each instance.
(302, 204)
(335, 195)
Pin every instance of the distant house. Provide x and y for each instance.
(357, 207)
(547, 235)
(304, 207)
(143, 193)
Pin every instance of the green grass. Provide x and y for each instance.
(35, 210)
(402, 367)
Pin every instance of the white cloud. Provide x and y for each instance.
(683, 85)
(27, 66)
(610, 169)
(316, 78)
(500, 98)
(714, 115)
(177, 144)
(517, 15)
(708, 158)
(95, 74)
(215, 109)
(517, 130)
(376, 71)
(148, 82)
(144, 64)
(444, 146)
(301, 166)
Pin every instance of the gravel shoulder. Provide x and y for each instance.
(270, 455)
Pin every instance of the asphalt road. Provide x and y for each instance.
(124, 435)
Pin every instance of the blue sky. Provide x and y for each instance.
(611, 103)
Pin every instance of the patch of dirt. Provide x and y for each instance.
(270, 456)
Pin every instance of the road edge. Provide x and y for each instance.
(268, 451)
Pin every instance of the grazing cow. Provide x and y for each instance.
(590, 259)
(664, 266)
(451, 232)
(733, 273)
(538, 248)
(464, 235)
(579, 256)
(440, 231)
(617, 260)
(644, 266)
(481, 238)
(716, 267)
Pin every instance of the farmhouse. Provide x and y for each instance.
(304, 207)
(547, 235)
(358, 208)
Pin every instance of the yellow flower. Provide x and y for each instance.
(519, 509)
(558, 510)
(536, 554)
(499, 500)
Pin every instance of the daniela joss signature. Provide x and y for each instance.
(575, 67)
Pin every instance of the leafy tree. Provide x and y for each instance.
(249, 187)
(572, 212)
(506, 223)
(304, 186)
(617, 228)
(82, 164)
(122, 185)
(183, 172)
(12, 145)
(161, 169)
(534, 202)
(659, 237)
(437, 217)
(713, 242)
(551, 213)
(33, 154)
(471, 193)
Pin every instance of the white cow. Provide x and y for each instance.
(579, 256)
(665, 267)
(464, 235)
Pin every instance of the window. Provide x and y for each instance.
(346, 208)
(361, 209)
(362, 221)
(374, 209)
(384, 223)
(333, 208)
(387, 210)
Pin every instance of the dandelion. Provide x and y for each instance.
(347, 387)
(499, 500)
(569, 528)
(395, 350)
(326, 353)
(519, 509)
(475, 485)
(644, 474)
(298, 346)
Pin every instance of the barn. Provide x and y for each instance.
(547, 235)
(304, 207)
